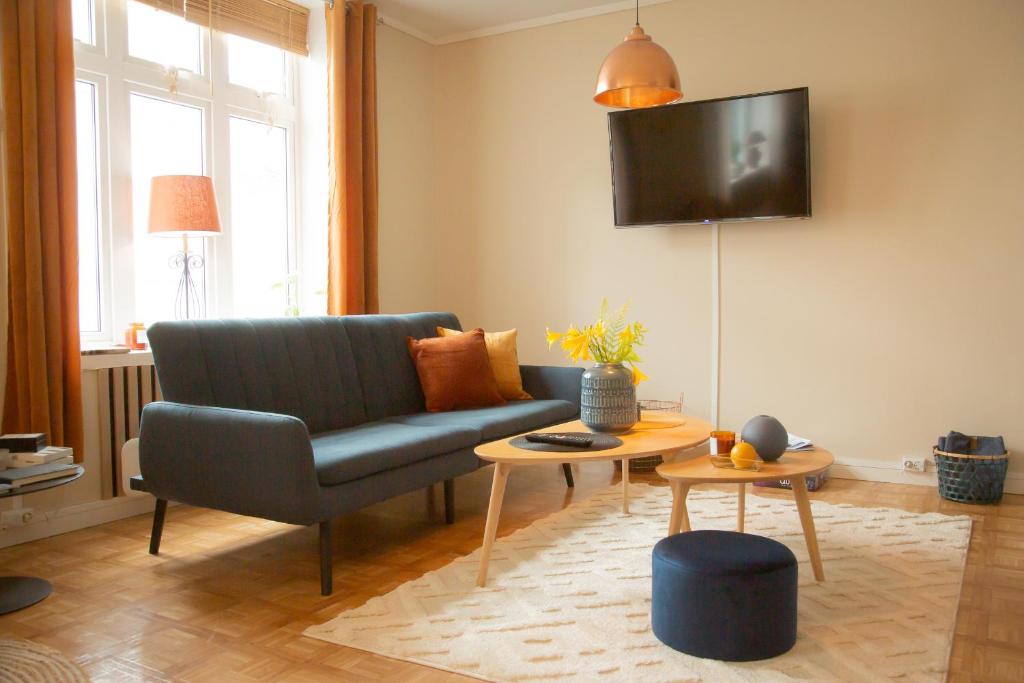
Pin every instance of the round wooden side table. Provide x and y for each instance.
(793, 465)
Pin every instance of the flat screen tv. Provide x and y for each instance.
(730, 159)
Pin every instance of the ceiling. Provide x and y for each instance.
(449, 21)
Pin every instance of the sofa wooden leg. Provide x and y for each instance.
(158, 526)
(567, 471)
(326, 557)
(449, 501)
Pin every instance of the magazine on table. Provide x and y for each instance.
(799, 443)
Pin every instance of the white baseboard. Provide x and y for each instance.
(872, 470)
(75, 517)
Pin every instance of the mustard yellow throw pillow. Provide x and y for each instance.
(501, 351)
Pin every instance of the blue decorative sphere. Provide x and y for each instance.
(767, 435)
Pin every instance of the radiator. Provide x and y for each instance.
(121, 392)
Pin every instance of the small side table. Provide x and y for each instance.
(18, 592)
(793, 465)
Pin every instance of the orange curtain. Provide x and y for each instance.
(352, 148)
(44, 379)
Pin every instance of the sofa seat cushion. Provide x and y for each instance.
(499, 421)
(347, 454)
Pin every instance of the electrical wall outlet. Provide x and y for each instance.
(912, 464)
(17, 517)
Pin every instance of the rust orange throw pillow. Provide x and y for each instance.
(455, 372)
(501, 349)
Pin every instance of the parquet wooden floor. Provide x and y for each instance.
(229, 596)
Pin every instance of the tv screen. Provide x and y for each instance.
(730, 159)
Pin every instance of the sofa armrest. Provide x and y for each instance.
(250, 463)
(548, 381)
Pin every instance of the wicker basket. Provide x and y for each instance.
(971, 478)
(650, 463)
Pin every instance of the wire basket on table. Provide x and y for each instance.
(965, 478)
(649, 463)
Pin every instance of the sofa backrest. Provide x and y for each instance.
(330, 372)
(386, 371)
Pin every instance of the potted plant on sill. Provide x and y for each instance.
(608, 398)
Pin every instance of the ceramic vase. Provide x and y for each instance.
(608, 400)
(767, 435)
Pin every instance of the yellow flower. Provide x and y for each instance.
(552, 336)
(596, 342)
(576, 343)
(637, 375)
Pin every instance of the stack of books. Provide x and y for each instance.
(21, 476)
(29, 460)
(50, 454)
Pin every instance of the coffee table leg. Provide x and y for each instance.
(680, 518)
(625, 486)
(501, 471)
(803, 506)
(741, 505)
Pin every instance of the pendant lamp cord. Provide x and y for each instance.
(637, 12)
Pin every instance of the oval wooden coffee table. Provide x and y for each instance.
(793, 465)
(658, 433)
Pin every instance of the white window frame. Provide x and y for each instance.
(117, 75)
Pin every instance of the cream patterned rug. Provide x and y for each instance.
(568, 598)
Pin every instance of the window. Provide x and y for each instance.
(166, 139)
(89, 293)
(180, 99)
(81, 21)
(256, 66)
(259, 201)
(162, 38)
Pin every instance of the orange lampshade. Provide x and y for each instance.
(183, 204)
(637, 73)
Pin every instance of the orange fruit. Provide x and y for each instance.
(743, 455)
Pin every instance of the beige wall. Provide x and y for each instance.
(891, 316)
(409, 278)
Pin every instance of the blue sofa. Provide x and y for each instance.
(301, 420)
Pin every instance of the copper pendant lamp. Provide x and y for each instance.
(637, 73)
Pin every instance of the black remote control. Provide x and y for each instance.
(574, 440)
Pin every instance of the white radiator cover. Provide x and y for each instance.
(122, 385)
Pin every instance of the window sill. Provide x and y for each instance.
(102, 361)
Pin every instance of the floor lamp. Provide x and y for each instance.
(180, 206)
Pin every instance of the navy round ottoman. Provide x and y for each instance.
(724, 595)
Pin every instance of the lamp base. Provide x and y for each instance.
(188, 305)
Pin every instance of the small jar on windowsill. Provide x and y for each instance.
(135, 337)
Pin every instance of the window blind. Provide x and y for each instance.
(279, 23)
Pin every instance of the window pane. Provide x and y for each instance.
(89, 318)
(256, 65)
(162, 37)
(81, 21)
(167, 139)
(259, 219)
